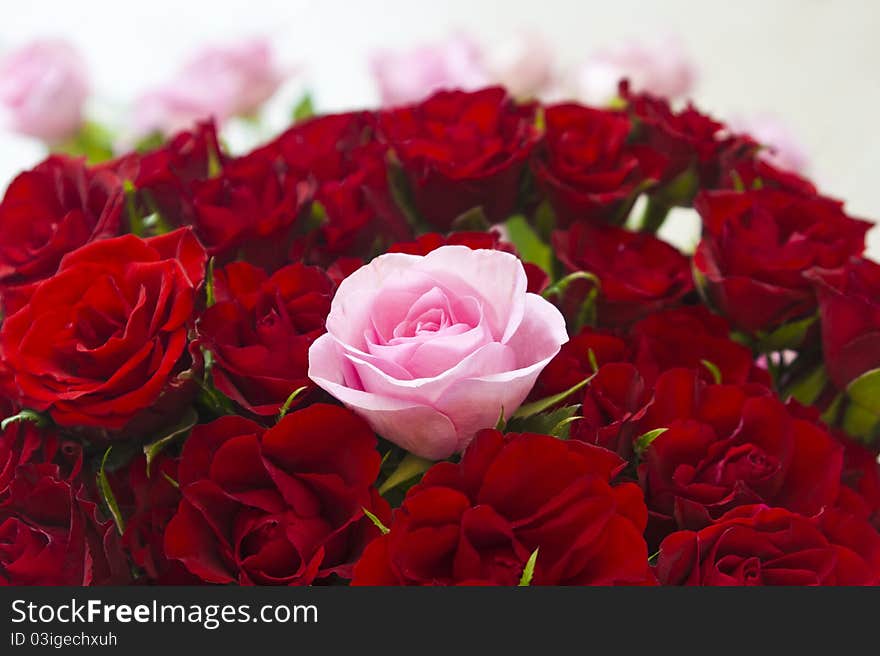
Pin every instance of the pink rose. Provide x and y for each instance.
(219, 82)
(429, 349)
(412, 75)
(783, 149)
(659, 66)
(523, 65)
(43, 87)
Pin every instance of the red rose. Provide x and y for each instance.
(260, 329)
(282, 506)
(859, 492)
(103, 339)
(742, 168)
(478, 521)
(585, 166)
(638, 274)
(461, 150)
(689, 337)
(49, 211)
(757, 245)
(731, 445)
(426, 243)
(250, 208)
(614, 399)
(849, 310)
(350, 173)
(24, 443)
(50, 533)
(148, 501)
(758, 545)
(573, 364)
(612, 408)
(680, 140)
(163, 177)
(860, 481)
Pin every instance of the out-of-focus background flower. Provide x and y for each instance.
(800, 74)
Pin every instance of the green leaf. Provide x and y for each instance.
(788, 336)
(305, 108)
(378, 522)
(545, 221)
(26, 415)
(398, 184)
(529, 569)
(562, 429)
(860, 423)
(135, 222)
(737, 181)
(156, 447)
(290, 399)
(713, 369)
(807, 389)
(702, 286)
(528, 244)
(107, 494)
(642, 442)
(861, 418)
(543, 423)
(214, 166)
(150, 142)
(410, 467)
(474, 220)
(499, 425)
(865, 390)
(93, 141)
(829, 416)
(209, 284)
(548, 402)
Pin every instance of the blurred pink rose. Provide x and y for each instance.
(784, 150)
(43, 87)
(411, 75)
(429, 349)
(219, 82)
(524, 64)
(659, 66)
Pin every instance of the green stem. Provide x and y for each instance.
(654, 215)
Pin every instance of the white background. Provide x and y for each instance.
(812, 62)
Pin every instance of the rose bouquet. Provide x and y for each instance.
(440, 343)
